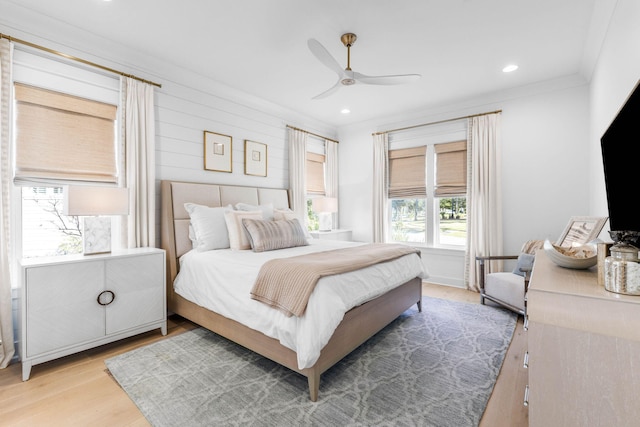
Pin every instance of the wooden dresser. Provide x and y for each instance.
(584, 350)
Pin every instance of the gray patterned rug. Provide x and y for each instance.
(435, 368)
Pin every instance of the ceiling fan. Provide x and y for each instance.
(348, 77)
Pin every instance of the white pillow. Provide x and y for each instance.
(267, 209)
(288, 214)
(238, 238)
(207, 228)
(283, 214)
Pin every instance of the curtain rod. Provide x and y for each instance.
(64, 55)
(437, 122)
(314, 134)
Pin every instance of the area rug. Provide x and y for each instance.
(434, 368)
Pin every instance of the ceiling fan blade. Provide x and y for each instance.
(329, 91)
(324, 56)
(396, 79)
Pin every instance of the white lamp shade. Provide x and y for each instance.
(325, 204)
(91, 201)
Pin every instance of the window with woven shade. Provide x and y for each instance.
(407, 173)
(451, 169)
(62, 138)
(315, 173)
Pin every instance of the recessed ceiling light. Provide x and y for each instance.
(510, 68)
(345, 111)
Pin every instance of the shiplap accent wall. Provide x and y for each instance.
(184, 113)
(182, 117)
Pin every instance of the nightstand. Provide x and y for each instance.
(332, 235)
(72, 303)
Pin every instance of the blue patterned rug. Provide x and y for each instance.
(435, 368)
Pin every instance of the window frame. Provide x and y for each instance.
(430, 136)
(53, 73)
(316, 148)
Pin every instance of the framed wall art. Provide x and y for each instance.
(255, 158)
(581, 230)
(217, 152)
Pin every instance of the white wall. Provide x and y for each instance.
(545, 157)
(616, 74)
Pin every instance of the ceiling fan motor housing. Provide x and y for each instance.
(348, 39)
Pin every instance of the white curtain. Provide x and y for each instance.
(380, 187)
(140, 158)
(7, 349)
(484, 200)
(297, 173)
(331, 177)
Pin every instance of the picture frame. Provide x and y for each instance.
(218, 154)
(581, 230)
(255, 158)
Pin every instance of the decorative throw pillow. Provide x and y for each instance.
(287, 214)
(238, 238)
(283, 214)
(278, 234)
(267, 209)
(525, 261)
(207, 227)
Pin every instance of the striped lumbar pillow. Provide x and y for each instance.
(267, 235)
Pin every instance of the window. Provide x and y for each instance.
(315, 176)
(45, 230)
(427, 194)
(65, 131)
(59, 139)
(315, 173)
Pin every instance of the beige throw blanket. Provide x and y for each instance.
(287, 283)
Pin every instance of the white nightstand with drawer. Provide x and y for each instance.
(73, 303)
(332, 235)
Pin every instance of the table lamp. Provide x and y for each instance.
(325, 207)
(91, 203)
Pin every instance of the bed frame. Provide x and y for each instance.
(357, 326)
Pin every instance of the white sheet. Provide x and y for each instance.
(221, 280)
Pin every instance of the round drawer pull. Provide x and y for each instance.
(106, 297)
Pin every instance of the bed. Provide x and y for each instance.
(356, 325)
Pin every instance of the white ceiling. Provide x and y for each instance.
(260, 46)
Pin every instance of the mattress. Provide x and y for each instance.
(221, 281)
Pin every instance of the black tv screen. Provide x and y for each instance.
(621, 159)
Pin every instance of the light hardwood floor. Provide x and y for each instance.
(77, 391)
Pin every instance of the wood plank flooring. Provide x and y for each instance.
(77, 391)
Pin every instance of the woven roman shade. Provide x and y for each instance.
(315, 173)
(407, 173)
(62, 138)
(451, 169)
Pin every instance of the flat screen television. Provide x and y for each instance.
(621, 159)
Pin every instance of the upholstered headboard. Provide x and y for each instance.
(174, 225)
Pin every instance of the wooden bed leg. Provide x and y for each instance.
(420, 306)
(314, 384)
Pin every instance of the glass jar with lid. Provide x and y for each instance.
(622, 270)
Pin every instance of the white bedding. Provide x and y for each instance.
(221, 281)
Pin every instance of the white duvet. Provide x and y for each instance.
(221, 281)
